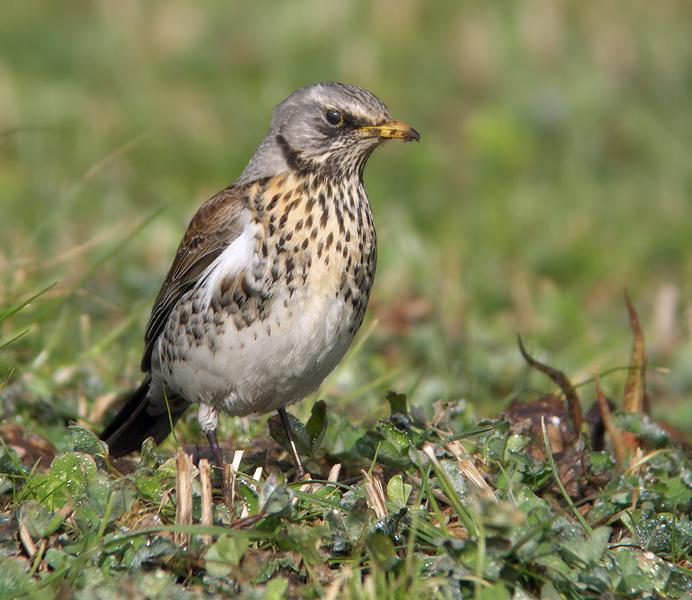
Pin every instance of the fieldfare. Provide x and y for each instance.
(271, 280)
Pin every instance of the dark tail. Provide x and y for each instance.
(133, 424)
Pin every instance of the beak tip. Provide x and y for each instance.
(391, 130)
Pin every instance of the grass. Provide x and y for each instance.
(551, 175)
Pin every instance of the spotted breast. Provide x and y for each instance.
(276, 311)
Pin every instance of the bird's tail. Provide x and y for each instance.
(134, 423)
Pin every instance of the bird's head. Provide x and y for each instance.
(333, 126)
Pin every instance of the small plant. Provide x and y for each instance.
(521, 506)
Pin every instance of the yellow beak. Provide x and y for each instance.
(391, 130)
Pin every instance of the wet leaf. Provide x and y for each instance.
(316, 427)
(14, 577)
(79, 439)
(150, 487)
(39, 521)
(275, 497)
(301, 437)
(226, 553)
(276, 589)
(56, 559)
(123, 492)
(150, 456)
(274, 564)
(374, 444)
(152, 548)
(381, 549)
(250, 496)
(587, 550)
(455, 477)
(398, 403)
(663, 533)
(87, 515)
(68, 480)
(494, 592)
(398, 438)
(304, 540)
(398, 492)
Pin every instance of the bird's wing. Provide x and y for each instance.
(213, 228)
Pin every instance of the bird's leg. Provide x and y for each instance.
(209, 419)
(294, 451)
(226, 482)
(215, 449)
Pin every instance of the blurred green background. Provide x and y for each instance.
(554, 171)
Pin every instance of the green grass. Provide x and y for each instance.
(552, 174)
(85, 527)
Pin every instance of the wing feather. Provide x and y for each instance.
(214, 226)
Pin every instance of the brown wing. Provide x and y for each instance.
(215, 225)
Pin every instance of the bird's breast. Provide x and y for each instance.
(267, 334)
(316, 236)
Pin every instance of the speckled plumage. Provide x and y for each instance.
(281, 324)
(272, 278)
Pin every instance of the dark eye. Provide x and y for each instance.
(334, 117)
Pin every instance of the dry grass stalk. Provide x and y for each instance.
(82, 410)
(563, 382)
(237, 457)
(306, 488)
(334, 473)
(378, 502)
(26, 540)
(470, 471)
(101, 406)
(229, 486)
(207, 501)
(635, 386)
(614, 433)
(183, 488)
(429, 451)
(334, 589)
(229, 474)
(641, 459)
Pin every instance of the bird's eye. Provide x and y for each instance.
(334, 117)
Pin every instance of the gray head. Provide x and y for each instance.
(326, 126)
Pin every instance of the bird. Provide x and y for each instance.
(271, 280)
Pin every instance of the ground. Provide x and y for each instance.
(551, 175)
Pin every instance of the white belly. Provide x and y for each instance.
(268, 364)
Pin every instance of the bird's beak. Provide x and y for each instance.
(391, 130)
